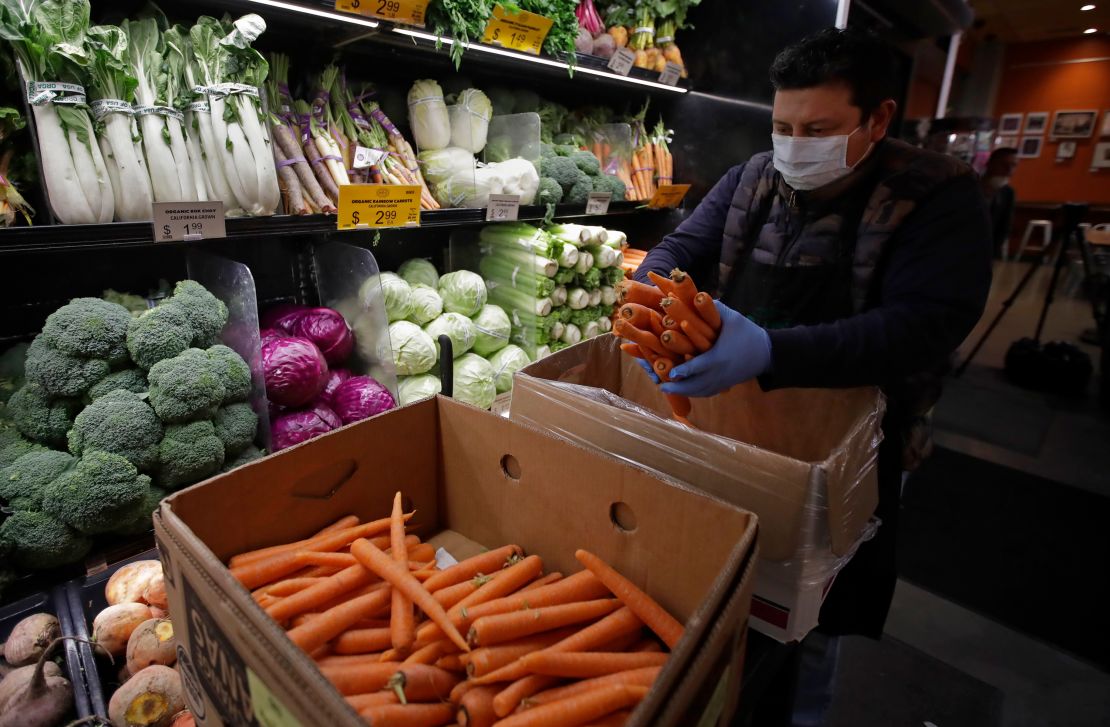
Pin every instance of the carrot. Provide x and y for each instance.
(476, 707)
(339, 560)
(703, 304)
(646, 645)
(451, 595)
(422, 553)
(460, 690)
(633, 350)
(320, 593)
(371, 699)
(327, 542)
(631, 291)
(380, 563)
(643, 677)
(490, 630)
(671, 324)
(511, 696)
(363, 641)
(579, 709)
(316, 571)
(359, 678)
(546, 580)
(491, 658)
(347, 521)
(664, 284)
(510, 580)
(684, 288)
(622, 643)
(616, 719)
(407, 715)
(338, 619)
(701, 343)
(348, 659)
(676, 342)
(402, 626)
(584, 665)
(636, 314)
(430, 653)
(663, 368)
(320, 652)
(646, 340)
(678, 310)
(290, 586)
(451, 662)
(488, 562)
(654, 616)
(423, 683)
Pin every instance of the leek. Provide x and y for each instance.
(577, 298)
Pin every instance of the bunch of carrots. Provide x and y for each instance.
(386, 626)
(633, 259)
(666, 324)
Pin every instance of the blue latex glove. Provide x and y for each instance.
(742, 352)
(647, 368)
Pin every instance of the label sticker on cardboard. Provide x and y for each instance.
(598, 203)
(378, 205)
(668, 196)
(670, 75)
(409, 12)
(522, 31)
(503, 208)
(267, 709)
(188, 221)
(622, 61)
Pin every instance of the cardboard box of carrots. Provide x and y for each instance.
(440, 565)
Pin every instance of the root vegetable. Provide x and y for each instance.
(36, 696)
(155, 593)
(112, 627)
(128, 583)
(183, 719)
(30, 638)
(151, 698)
(151, 643)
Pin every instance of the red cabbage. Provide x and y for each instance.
(360, 397)
(282, 317)
(298, 426)
(294, 369)
(268, 334)
(335, 378)
(328, 330)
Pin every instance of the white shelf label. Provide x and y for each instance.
(670, 75)
(365, 157)
(188, 221)
(503, 208)
(622, 61)
(598, 203)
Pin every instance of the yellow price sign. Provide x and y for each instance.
(522, 31)
(378, 205)
(668, 196)
(409, 12)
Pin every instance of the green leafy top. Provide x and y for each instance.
(47, 37)
(109, 75)
(175, 42)
(144, 57)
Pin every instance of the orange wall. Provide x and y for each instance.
(921, 99)
(1053, 88)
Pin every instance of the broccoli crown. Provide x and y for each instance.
(233, 371)
(135, 304)
(207, 314)
(133, 380)
(142, 522)
(549, 191)
(615, 185)
(11, 370)
(41, 418)
(26, 478)
(101, 493)
(90, 328)
(563, 171)
(587, 162)
(158, 334)
(60, 374)
(11, 450)
(122, 423)
(236, 425)
(247, 456)
(186, 387)
(39, 541)
(547, 151)
(189, 453)
(565, 150)
(580, 192)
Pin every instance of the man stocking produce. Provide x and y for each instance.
(843, 258)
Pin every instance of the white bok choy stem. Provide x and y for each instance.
(145, 65)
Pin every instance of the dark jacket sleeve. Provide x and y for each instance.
(934, 285)
(696, 243)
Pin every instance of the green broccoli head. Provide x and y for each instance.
(612, 184)
(186, 387)
(580, 192)
(549, 191)
(189, 453)
(89, 328)
(248, 455)
(12, 448)
(233, 371)
(207, 314)
(61, 374)
(135, 304)
(562, 170)
(39, 541)
(101, 493)
(41, 418)
(236, 425)
(142, 522)
(587, 162)
(565, 150)
(133, 380)
(25, 479)
(158, 334)
(122, 423)
(547, 151)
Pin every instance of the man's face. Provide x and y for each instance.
(1003, 166)
(827, 110)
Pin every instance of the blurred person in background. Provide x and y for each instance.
(995, 185)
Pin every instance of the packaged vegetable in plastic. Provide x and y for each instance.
(470, 118)
(458, 328)
(469, 188)
(414, 351)
(519, 176)
(295, 427)
(360, 397)
(493, 328)
(462, 292)
(294, 369)
(439, 165)
(390, 289)
(428, 119)
(329, 331)
(426, 305)
(415, 388)
(505, 363)
(473, 381)
(418, 271)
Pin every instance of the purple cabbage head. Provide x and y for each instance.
(335, 378)
(360, 397)
(328, 330)
(297, 426)
(282, 317)
(294, 369)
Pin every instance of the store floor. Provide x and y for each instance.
(1006, 631)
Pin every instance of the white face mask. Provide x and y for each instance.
(809, 162)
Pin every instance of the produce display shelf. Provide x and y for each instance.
(42, 238)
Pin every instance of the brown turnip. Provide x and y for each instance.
(150, 698)
(183, 719)
(30, 638)
(36, 696)
(155, 592)
(113, 626)
(128, 583)
(151, 643)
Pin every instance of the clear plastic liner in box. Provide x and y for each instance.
(779, 454)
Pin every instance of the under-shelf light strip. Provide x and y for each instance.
(541, 61)
(340, 17)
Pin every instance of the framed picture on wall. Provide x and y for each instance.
(1065, 150)
(1010, 142)
(1035, 122)
(1010, 123)
(1101, 158)
(1073, 124)
(1030, 147)
(1105, 130)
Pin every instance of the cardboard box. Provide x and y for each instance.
(475, 479)
(803, 460)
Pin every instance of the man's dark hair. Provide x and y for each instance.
(1000, 152)
(857, 59)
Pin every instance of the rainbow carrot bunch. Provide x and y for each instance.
(492, 640)
(666, 324)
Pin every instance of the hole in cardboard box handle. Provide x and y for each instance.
(323, 483)
(623, 517)
(510, 467)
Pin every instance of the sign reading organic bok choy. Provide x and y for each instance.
(409, 12)
(378, 205)
(520, 30)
